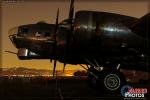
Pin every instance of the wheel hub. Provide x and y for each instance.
(112, 82)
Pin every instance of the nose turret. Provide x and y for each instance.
(38, 38)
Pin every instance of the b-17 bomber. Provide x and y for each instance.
(103, 42)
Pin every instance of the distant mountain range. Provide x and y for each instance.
(27, 72)
(22, 71)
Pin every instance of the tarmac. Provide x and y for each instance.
(57, 89)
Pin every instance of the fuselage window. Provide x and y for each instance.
(38, 34)
(42, 34)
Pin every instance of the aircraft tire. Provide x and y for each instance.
(105, 78)
(114, 81)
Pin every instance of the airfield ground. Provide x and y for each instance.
(55, 89)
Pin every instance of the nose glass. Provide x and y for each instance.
(13, 34)
(13, 31)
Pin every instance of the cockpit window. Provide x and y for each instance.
(23, 31)
(65, 24)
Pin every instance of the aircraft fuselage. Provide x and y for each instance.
(104, 37)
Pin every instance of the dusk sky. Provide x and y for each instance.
(20, 13)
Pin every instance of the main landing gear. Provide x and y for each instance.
(110, 80)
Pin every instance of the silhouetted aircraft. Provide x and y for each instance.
(101, 41)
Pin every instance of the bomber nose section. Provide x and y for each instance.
(38, 38)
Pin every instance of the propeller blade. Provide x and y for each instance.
(56, 28)
(57, 17)
(55, 61)
(70, 30)
(71, 11)
(64, 67)
(51, 60)
(55, 41)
